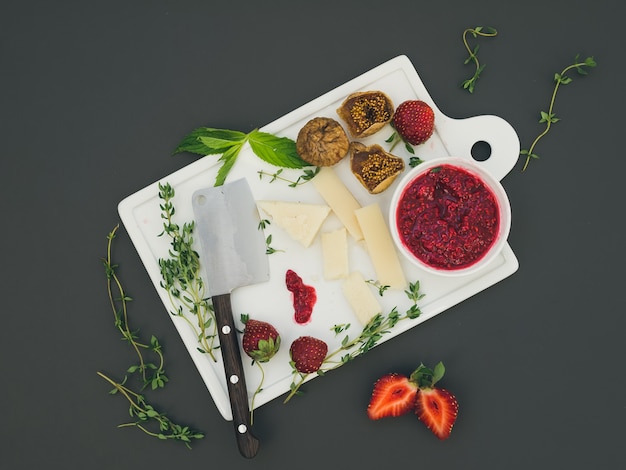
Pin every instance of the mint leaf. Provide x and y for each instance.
(209, 141)
(228, 158)
(277, 151)
(219, 140)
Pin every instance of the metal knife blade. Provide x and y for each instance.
(233, 255)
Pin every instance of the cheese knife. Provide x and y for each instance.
(233, 255)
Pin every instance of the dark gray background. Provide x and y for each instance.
(95, 96)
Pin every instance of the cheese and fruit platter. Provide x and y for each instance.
(339, 264)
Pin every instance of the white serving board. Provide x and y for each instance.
(141, 215)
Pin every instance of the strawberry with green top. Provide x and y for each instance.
(308, 354)
(436, 407)
(414, 121)
(260, 340)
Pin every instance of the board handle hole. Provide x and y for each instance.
(481, 151)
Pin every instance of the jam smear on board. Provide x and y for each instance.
(448, 218)
(304, 297)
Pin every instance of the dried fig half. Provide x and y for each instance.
(322, 142)
(366, 112)
(375, 168)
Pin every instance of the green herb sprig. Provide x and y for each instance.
(277, 151)
(414, 161)
(152, 374)
(263, 223)
(307, 175)
(549, 117)
(470, 83)
(147, 417)
(181, 276)
(369, 337)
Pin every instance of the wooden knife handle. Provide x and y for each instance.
(237, 391)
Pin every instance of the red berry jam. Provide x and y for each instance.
(304, 297)
(448, 218)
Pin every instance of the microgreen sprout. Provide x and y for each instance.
(549, 117)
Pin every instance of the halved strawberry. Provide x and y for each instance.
(436, 407)
(393, 395)
(308, 354)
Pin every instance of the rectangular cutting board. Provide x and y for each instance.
(141, 216)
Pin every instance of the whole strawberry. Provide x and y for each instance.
(260, 340)
(414, 121)
(308, 354)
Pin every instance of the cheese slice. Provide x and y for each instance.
(339, 198)
(335, 254)
(380, 247)
(301, 221)
(359, 295)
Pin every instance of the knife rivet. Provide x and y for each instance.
(242, 428)
(226, 329)
(234, 379)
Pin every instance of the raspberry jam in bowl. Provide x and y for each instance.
(449, 216)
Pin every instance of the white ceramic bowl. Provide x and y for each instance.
(453, 265)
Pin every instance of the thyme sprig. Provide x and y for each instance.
(147, 417)
(307, 175)
(263, 223)
(549, 117)
(470, 83)
(372, 333)
(152, 374)
(181, 276)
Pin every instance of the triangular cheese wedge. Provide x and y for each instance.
(301, 221)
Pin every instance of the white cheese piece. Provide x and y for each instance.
(335, 254)
(380, 247)
(301, 221)
(339, 198)
(359, 295)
